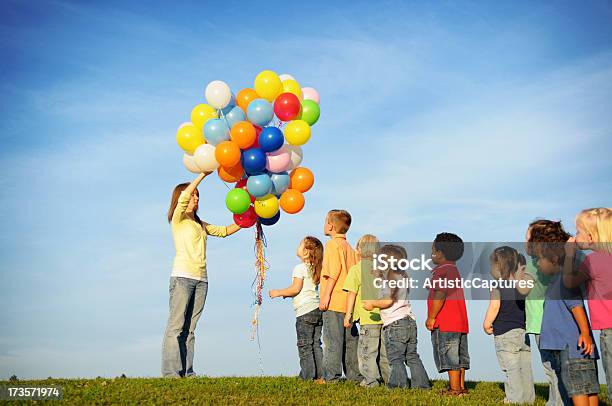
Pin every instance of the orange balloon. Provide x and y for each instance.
(231, 174)
(292, 201)
(301, 179)
(227, 154)
(243, 133)
(244, 97)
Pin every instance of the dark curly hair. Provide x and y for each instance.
(547, 239)
(451, 245)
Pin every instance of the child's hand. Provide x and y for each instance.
(273, 293)
(430, 323)
(347, 320)
(570, 247)
(488, 328)
(323, 303)
(586, 343)
(367, 305)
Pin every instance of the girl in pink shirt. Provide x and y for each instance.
(594, 232)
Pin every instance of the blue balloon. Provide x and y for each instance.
(259, 185)
(254, 161)
(235, 115)
(216, 131)
(271, 221)
(280, 183)
(271, 139)
(225, 110)
(260, 112)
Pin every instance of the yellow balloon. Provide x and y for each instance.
(189, 137)
(266, 206)
(297, 132)
(268, 85)
(292, 86)
(201, 114)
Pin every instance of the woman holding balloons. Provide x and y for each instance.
(189, 281)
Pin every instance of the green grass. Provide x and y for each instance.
(261, 390)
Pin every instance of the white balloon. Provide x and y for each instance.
(189, 162)
(204, 157)
(218, 94)
(296, 154)
(286, 76)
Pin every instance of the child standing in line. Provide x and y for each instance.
(534, 305)
(399, 328)
(309, 319)
(565, 326)
(446, 313)
(371, 354)
(505, 318)
(340, 343)
(594, 232)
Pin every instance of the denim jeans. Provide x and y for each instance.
(576, 376)
(339, 348)
(605, 342)
(556, 397)
(187, 297)
(371, 355)
(514, 356)
(401, 345)
(308, 328)
(450, 350)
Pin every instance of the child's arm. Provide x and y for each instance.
(492, 312)
(291, 291)
(584, 341)
(521, 275)
(369, 305)
(350, 306)
(571, 277)
(439, 298)
(332, 265)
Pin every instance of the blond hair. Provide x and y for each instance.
(598, 223)
(313, 250)
(368, 245)
(340, 219)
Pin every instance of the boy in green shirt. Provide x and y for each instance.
(359, 283)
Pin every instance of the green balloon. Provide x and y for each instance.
(238, 201)
(310, 112)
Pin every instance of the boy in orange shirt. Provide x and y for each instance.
(339, 343)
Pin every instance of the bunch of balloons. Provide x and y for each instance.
(253, 139)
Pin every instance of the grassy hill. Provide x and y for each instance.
(261, 390)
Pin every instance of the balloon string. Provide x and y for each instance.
(261, 267)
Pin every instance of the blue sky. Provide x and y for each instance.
(472, 117)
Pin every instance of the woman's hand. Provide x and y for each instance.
(273, 293)
(488, 328)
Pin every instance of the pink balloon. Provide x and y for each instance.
(279, 160)
(310, 93)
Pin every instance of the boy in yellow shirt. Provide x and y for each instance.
(359, 284)
(340, 343)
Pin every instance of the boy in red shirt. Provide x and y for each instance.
(446, 313)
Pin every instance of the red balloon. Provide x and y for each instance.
(257, 132)
(246, 219)
(287, 106)
(242, 184)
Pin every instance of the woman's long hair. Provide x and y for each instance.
(313, 250)
(174, 201)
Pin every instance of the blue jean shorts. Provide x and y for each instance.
(578, 375)
(450, 350)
